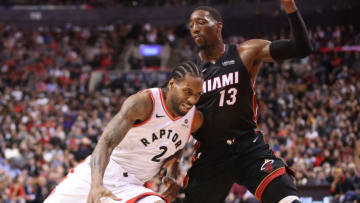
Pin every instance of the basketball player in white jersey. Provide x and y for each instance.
(151, 126)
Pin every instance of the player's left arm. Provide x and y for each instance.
(299, 46)
(173, 163)
(173, 160)
(255, 51)
(169, 176)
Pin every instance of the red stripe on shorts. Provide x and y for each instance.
(265, 182)
(137, 198)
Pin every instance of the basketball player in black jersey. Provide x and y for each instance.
(231, 150)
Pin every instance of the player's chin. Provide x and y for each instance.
(183, 111)
(202, 46)
(199, 43)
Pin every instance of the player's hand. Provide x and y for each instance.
(289, 5)
(172, 188)
(168, 162)
(98, 192)
(174, 162)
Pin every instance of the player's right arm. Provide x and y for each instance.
(137, 107)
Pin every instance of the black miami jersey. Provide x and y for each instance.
(228, 101)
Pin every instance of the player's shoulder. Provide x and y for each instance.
(141, 101)
(145, 96)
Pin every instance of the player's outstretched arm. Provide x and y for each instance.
(137, 107)
(299, 45)
(255, 51)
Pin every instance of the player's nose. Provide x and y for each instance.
(195, 29)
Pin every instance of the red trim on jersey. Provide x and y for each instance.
(192, 123)
(265, 182)
(163, 103)
(152, 113)
(254, 103)
(186, 181)
(137, 198)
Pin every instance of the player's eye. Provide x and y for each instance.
(201, 22)
(188, 92)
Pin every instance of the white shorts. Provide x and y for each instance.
(75, 187)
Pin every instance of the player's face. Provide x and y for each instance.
(203, 28)
(185, 93)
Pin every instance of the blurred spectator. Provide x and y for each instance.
(353, 195)
(341, 185)
(236, 194)
(17, 191)
(4, 183)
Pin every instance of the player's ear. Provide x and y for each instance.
(171, 84)
(219, 26)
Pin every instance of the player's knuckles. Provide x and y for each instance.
(108, 194)
(105, 192)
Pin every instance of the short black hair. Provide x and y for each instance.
(212, 11)
(184, 68)
(179, 73)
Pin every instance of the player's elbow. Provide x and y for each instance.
(304, 51)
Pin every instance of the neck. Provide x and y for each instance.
(212, 53)
(168, 103)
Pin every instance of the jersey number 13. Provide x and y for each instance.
(230, 101)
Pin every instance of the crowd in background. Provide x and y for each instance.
(59, 87)
(129, 3)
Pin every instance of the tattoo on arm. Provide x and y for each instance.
(134, 108)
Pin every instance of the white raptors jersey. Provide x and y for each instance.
(148, 144)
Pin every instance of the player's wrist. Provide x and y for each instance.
(96, 186)
(290, 8)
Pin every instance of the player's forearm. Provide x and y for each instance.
(175, 167)
(99, 160)
(298, 46)
(299, 33)
(114, 132)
